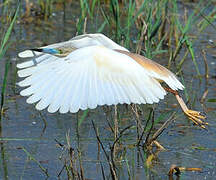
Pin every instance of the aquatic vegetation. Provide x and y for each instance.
(111, 142)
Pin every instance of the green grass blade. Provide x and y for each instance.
(3, 49)
(37, 162)
(7, 34)
(84, 115)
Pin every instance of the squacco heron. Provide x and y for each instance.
(91, 70)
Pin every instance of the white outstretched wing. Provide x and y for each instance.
(87, 77)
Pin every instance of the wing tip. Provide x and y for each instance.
(28, 54)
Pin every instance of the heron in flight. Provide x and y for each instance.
(90, 70)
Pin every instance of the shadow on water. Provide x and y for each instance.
(39, 145)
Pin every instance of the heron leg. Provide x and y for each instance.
(196, 116)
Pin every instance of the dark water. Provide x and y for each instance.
(24, 127)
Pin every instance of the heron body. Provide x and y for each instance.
(90, 70)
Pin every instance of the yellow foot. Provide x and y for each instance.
(196, 117)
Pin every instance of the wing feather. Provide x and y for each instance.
(91, 91)
(69, 89)
(37, 59)
(67, 83)
(83, 92)
(49, 94)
